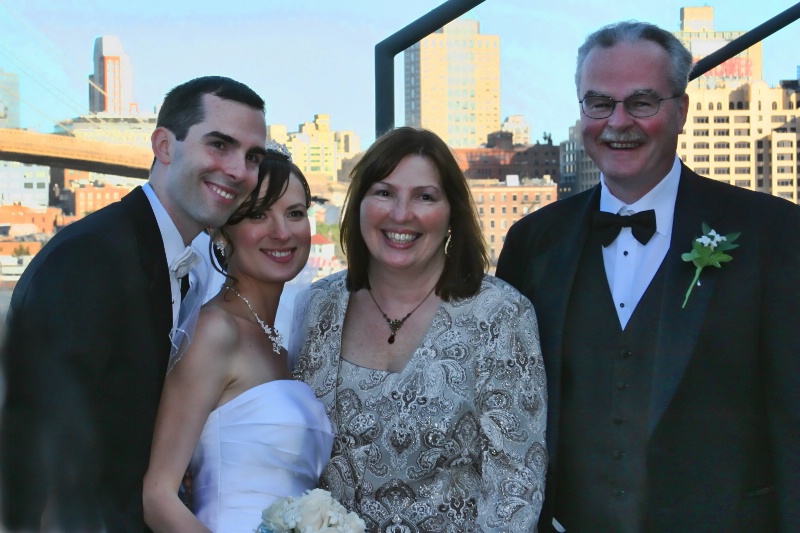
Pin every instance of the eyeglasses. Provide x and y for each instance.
(637, 105)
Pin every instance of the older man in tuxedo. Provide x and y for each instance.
(663, 417)
(90, 322)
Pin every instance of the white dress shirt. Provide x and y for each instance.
(630, 266)
(173, 245)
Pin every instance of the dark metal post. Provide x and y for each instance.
(399, 41)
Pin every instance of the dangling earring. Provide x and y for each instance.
(220, 246)
(448, 242)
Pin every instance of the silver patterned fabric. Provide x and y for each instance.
(454, 442)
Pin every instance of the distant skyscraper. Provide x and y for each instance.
(452, 84)
(698, 35)
(111, 85)
(9, 99)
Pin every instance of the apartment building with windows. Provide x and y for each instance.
(501, 204)
(452, 84)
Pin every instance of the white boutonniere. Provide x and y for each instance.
(316, 511)
(708, 250)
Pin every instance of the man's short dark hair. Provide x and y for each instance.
(183, 105)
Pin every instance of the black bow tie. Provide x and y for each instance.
(608, 225)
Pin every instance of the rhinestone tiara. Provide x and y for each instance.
(278, 148)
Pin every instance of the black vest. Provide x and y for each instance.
(606, 385)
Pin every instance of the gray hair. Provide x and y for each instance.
(632, 31)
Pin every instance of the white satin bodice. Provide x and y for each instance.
(270, 442)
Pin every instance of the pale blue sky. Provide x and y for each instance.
(317, 56)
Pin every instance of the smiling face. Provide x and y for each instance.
(212, 171)
(404, 218)
(272, 247)
(634, 154)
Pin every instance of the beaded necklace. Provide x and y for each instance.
(272, 334)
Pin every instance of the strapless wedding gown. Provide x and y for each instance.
(270, 442)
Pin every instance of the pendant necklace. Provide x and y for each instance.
(396, 324)
(272, 334)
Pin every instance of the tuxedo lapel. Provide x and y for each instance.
(679, 327)
(153, 260)
(559, 277)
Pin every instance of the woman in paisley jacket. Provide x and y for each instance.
(430, 370)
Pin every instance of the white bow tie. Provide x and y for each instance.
(184, 262)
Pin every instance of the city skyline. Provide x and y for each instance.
(317, 57)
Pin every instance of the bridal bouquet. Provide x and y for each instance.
(316, 511)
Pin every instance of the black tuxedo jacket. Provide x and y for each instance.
(84, 358)
(723, 452)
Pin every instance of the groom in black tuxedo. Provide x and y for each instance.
(661, 417)
(88, 330)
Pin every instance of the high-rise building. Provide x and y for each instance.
(452, 84)
(698, 35)
(111, 84)
(317, 150)
(9, 99)
(746, 136)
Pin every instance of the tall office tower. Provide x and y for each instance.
(111, 85)
(698, 35)
(452, 84)
(9, 99)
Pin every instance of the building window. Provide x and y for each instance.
(784, 144)
(743, 183)
(785, 183)
(742, 144)
(503, 210)
(739, 119)
(785, 157)
(722, 157)
(743, 170)
(491, 210)
(700, 158)
(722, 132)
(785, 170)
(741, 132)
(741, 157)
(721, 120)
(722, 170)
(700, 146)
(700, 133)
(701, 120)
(722, 145)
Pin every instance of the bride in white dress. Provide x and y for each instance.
(230, 411)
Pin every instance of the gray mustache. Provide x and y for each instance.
(620, 137)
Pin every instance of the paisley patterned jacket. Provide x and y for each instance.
(455, 441)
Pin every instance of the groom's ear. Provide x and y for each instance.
(163, 141)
